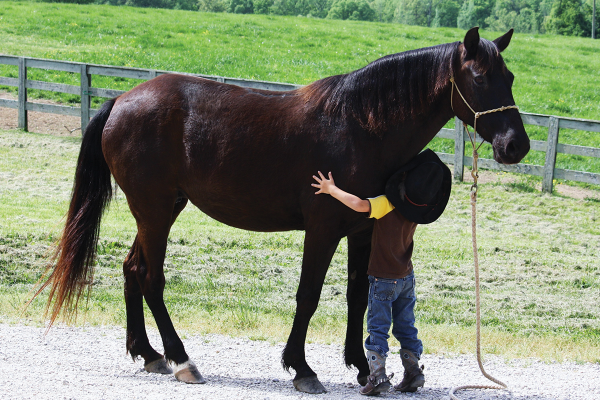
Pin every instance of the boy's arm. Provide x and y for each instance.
(327, 186)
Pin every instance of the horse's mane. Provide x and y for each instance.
(394, 88)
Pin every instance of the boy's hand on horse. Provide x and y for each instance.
(327, 186)
(323, 184)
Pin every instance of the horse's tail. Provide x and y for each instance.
(73, 259)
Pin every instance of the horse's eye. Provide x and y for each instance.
(479, 80)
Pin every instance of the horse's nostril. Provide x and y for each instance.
(511, 149)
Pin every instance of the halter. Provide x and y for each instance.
(474, 171)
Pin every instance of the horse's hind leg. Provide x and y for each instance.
(154, 216)
(137, 339)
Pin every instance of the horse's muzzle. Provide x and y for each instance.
(511, 147)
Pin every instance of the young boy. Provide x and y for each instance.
(416, 194)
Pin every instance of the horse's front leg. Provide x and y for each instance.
(319, 247)
(359, 250)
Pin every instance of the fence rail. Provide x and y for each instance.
(551, 147)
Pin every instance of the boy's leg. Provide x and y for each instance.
(379, 318)
(379, 314)
(405, 331)
(403, 315)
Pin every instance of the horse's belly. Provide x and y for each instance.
(254, 214)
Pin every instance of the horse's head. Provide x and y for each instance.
(483, 79)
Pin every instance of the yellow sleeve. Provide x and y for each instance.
(380, 206)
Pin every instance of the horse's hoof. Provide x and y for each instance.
(158, 367)
(310, 384)
(362, 380)
(188, 373)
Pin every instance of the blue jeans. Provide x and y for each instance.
(392, 300)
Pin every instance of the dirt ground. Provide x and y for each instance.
(566, 190)
(52, 124)
(63, 125)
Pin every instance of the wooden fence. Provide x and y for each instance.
(548, 171)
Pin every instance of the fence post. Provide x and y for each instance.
(86, 82)
(22, 116)
(549, 164)
(459, 150)
(152, 74)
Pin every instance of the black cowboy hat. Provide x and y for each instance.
(421, 188)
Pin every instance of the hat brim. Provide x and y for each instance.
(420, 214)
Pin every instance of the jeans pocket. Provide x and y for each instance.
(384, 289)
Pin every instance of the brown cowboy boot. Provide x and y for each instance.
(413, 374)
(377, 381)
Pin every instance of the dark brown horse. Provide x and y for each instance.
(246, 158)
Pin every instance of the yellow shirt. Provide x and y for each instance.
(380, 206)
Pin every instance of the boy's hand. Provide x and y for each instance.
(323, 184)
(327, 186)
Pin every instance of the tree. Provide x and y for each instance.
(351, 9)
(414, 12)
(385, 9)
(589, 7)
(241, 6)
(520, 15)
(320, 8)
(282, 7)
(262, 6)
(213, 5)
(473, 13)
(528, 21)
(568, 18)
(446, 13)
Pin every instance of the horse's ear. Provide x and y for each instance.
(471, 42)
(503, 41)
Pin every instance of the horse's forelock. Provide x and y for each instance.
(487, 57)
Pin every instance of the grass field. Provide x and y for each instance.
(539, 257)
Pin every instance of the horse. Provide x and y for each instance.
(246, 158)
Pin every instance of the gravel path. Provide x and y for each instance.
(90, 363)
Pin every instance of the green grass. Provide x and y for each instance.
(539, 265)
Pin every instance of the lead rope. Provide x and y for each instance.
(475, 175)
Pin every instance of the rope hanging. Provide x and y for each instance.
(475, 175)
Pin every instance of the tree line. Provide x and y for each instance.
(564, 17)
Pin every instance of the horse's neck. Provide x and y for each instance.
(408, 137)
(416, 88)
